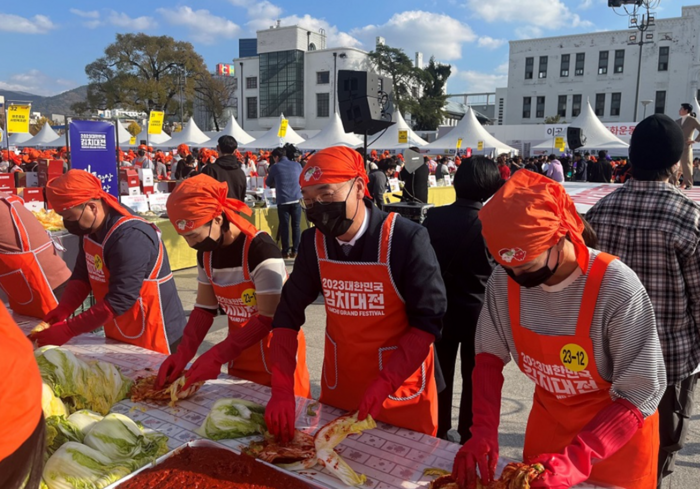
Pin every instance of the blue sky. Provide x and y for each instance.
(47, 43)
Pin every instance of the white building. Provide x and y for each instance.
(557, 75)
(292, 73)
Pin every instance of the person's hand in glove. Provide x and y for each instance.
(280, 413)
(481, 450)
(604, 435)
(61, 332)
(208, 366)
(74, 294)
(413, 348)
(196, 329)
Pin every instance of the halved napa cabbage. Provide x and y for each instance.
(50, 404)
(60, 431)
(120, 439)
(233, 418)
(84, 420)
(76, 466)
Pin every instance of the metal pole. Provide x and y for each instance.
(244, 106)
(639, 76)
(68, 153)
(179, 81)
(335, 80)
(7, 133)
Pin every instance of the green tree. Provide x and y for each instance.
(36, 127)
(428, 110)
(141, 72)
(406, 78)
(554, 119)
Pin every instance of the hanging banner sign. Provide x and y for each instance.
(283, 128)
(132, 141)
(92, 148)
(459, 143)
(18, 118)
(403, 137)
(155, 122)
(480, 146)
(559, 143)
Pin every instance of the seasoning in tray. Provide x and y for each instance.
(212, 468)
(144, 390)
(298, 454)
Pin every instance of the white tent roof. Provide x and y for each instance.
(597, 135)
(390, 138)
(470, 131)
(232, 129)
(332, 135)
(696, 106)
(271, 140)
(19, 138)
(190, 134)
(123, 136)
(153, 139)
(46, 137)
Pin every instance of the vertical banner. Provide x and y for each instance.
(459, 143)
(18, 118)
(283, 128)
(155, 122)
(92, 148)
(403, 137)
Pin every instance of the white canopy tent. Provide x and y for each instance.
(597, 135)
(232, 129)
(123, 136)
(19, 138)
(471, 132)
(152, 139)
(332, 135)
(390, 138)
(46, 137)
(190, 134)
(271, 140)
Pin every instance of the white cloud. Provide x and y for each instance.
(259, 10)
(334, 37)
(529, 32)
(490, 43)
(92, 14)
(92, 24)
(586, 4)
(427, 32)
(36, 82)
(203, 26)
(39, 24)
(471, 81)
(120, 19)
(548, 14)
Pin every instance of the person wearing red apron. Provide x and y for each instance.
(384, 299)
(583, 425)
(137, 304)
(25, 252)
(210, 223)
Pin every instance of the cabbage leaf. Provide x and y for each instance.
(120, 439)
(76, 466)
(233, 418)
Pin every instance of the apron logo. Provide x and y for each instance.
(249, 298)
(313, 172)
(182, 224)
(98, 262)
(507, 255)
(573, 357)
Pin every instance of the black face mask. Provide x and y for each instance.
(75, 228)
(331, 218)
(209, 244)
(533, 279)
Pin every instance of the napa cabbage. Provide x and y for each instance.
(233, 418)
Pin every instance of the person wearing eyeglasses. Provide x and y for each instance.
(384, 298)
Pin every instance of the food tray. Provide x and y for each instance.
(211, 444)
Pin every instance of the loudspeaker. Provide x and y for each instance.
(412, 160)
(362, 99)
(575, 138)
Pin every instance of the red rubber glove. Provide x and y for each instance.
(197, 327)
(60, 333)
(280, 414)
(73, 295)
(413, 348)
(208, 366)
(482, 448)
(604, 435)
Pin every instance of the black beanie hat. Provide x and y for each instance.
(657, 143)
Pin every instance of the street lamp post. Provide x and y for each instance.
(645, 103)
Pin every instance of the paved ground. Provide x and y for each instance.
(517, 391)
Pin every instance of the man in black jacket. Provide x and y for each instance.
(605, 165)
(227, 168)
(416, 183)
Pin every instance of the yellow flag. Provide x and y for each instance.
(155, 122)
(480, 146)
(559, 143)
(18, 118)
(403, 137)
(283, 128)
(459, 143)
(132, 141)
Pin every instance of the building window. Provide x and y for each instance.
(600, 104)
(565, 58)
(252, 107)
(323, 103)
(561, 106)
(663, 58)
(543, 67)
(323, 77)
(660, 102)
(529, 68)
(619, 60)
(251, 82)
(282, 84)
(527, 107)
(576, 106)
(580, 64)
(540, 107)
(615, 104)
(603, 63)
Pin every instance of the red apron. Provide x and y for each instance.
(239, 302)
(366, 317)
(21, 276)
(569, 392)
(142, 325)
